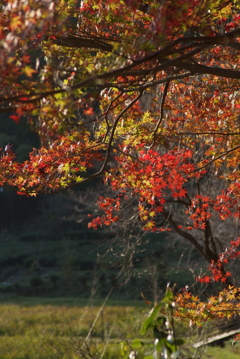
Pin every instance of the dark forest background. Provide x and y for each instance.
(46, 248)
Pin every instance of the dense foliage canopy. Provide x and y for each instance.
(146, 94)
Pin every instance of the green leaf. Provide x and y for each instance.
(161, 320)
(149, 321)
(168, 298)
(137, 343)
(162, 342)
(123, 348)
(171, 347)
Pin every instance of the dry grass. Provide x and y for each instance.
(49, 331)
(60, 332)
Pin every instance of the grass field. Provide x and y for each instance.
(70, 329)
(59, 330)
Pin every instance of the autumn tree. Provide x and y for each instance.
(147, 94)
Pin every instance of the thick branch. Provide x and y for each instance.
(186, 235)
(210, 246)
(161, 113)
(207, 253)
(130, 70)
(212, 70)
(81, 42)
(93, 42)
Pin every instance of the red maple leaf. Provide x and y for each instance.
(89, 111)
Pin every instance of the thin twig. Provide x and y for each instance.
(113, 132)
(157, 82)
(161, 113)
(107, 112)
(215, 159)
(108, 338)
(97, 316)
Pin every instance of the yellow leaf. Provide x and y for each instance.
(28, 71)
(15, 22)
(152, 214)
(46, 109)
(149, 225)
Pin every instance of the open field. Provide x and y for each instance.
(63, 328)
(59, 331)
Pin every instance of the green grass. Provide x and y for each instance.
(228, 352)
(57, 329)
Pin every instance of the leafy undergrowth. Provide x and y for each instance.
(59, 331)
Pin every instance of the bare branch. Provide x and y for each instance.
(157, 82)
(72, 40)
(211, 70)
(186, 235)
(161, 113)
(112, 136)
(216, 158)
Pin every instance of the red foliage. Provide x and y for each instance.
(216, 267)
(147, 93)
